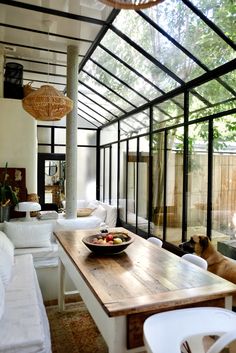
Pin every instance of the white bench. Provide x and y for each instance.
(24, 325)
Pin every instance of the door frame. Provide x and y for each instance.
(42, 157)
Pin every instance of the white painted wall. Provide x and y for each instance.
(18, 140)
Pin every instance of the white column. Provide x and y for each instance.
(71, 133)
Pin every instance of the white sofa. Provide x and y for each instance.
(24, 325)
(36, 237)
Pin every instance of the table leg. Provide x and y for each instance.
(61, 286)
(229, 302)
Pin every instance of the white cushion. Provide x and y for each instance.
(29, 234)
(93, 204)
(111, 216)
(78, 223)
(100, 212)
(24, 326)
(81, 203)
(7, 246)
(2, 298)
(6, 266)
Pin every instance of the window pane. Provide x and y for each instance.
(135, 124)
(221, 14)
(168, 113)
(122, 182)
(60, 136)
(44, 149)
(157, 45)
(143, 185)
(139, 62)
(158, 183)
(60, 149)
(224, 178)
(101, 173)
(107, 175)
(187, 28)
(44, 135)
(132, 180)
(86, 174)
(114, 155)
(109, 134)
(125, 74)
(121, 103)
(86, 137)
(134, 98)
(197, 178)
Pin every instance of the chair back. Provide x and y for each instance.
(191, 328)
(196, 260)
(156, 241)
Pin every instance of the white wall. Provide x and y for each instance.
(18, 140)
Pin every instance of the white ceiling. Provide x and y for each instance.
(36, 33)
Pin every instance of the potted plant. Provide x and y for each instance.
(8, 197)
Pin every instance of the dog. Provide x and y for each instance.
(217, 263)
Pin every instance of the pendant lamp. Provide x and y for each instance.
(47, 103)
(131, 4)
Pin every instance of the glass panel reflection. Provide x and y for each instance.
(187, 28)
(224, 179)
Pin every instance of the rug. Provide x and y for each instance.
(74, 331)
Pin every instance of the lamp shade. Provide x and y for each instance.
(47, 104)
(27, 206)
(131, 4)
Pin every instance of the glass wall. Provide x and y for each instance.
(186, 183)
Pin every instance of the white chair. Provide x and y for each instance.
(156, 241)
(166, 332)
(196, 260)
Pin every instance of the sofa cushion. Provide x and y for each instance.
(29, 234)
(24, 326)
(6, 245)
(111, 214)
(100, 212)
(6, 266)
(78, 223)
(84, 211)
(2, 298)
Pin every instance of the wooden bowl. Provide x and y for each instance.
(108, 248)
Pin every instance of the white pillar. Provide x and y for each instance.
(71, 133)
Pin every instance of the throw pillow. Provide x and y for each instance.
(111, 214)
(84, 212)
(2, 298)
(6, 266)
(100, 212)
(29, 234)
(6, 245)
(93, 204)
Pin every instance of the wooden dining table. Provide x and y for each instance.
(120, 291)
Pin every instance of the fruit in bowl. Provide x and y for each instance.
(108, 243)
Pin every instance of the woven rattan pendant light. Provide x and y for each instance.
(47, 103)
(131, 4)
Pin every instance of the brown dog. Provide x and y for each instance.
(217, 263)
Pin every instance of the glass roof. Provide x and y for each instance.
(146, 54)
(131, 60)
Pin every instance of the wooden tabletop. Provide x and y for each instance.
(143, 278)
